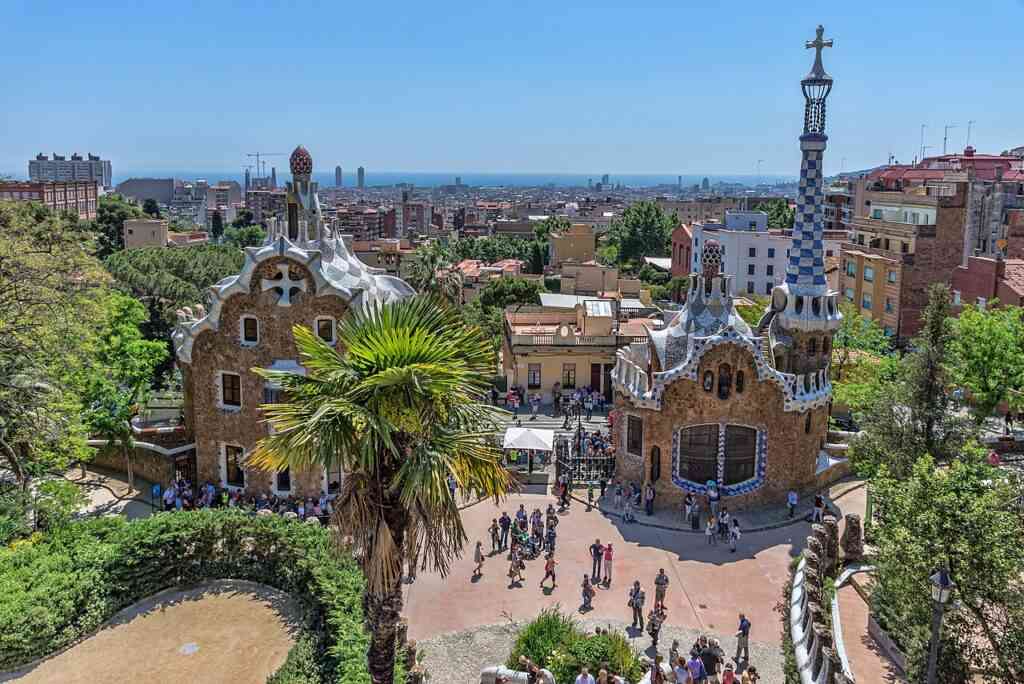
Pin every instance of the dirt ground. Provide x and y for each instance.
(225, 631)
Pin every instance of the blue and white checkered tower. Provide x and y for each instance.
(803, 306)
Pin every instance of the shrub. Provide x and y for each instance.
(555, 641)
(65, 584)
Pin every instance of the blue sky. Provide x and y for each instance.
(555, 86)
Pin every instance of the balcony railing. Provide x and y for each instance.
(575, 341)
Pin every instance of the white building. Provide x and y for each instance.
(42, 168)
(755, 256)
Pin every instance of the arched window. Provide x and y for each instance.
(807, 423)
(740, 453)
(812, 346)
(709, 381)
(724, 381)
(698, 453)
(739, 382)
(655, 464)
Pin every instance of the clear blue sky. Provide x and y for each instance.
(555, 86)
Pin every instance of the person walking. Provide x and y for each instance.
(604, 485)
(636, 602)
(660, 587)
(819, 508)
(504, 522)
(734, 535)
(549, 571)
(695, 668)
(618, 495)
(608, 555)
(711, 657)
(649, 499)
(495, 531)
(478, 558)
(743, 640)
(515, 570)
(709, 531)
(791, 501)
(587, 592)
(654, 623)
(596, 556)
(588, 404)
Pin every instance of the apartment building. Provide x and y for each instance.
(577, 244)
(572, 347)
(361, 222)
(907, 240)
(266, 204)
(984, 280)
(142, 233)
(76, 197)
(77, 168)
(476, 275)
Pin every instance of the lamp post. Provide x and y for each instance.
(942, 589)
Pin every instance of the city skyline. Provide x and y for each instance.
(550, 92)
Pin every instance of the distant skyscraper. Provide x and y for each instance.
(604, 179)
(273, 177)
(248, 182)
(679, 182)
(458, 181)
(705, 184)
(77, 168)
(337, 176)
(590, 183)
(361, 178)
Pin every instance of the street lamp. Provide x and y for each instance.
(942, 589)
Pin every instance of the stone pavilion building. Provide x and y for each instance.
(302, 275)
(711, 402)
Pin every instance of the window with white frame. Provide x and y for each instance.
(533, 376)
(250, 330)
(233, 473)
(230, 390)
(325, 329)
(869, 274)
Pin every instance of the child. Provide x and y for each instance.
(709, 531)
(478, 557)
(734, 534)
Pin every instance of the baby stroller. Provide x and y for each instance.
(533, 546)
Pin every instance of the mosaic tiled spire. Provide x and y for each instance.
(806, 271)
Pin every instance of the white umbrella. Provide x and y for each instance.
(529, 438)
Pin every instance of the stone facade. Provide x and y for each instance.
(303, 275)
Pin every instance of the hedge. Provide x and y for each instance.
(64, 585)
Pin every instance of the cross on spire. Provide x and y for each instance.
(818, 70)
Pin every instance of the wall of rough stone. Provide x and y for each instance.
(791, 452)
(221, 350)
(146, 464)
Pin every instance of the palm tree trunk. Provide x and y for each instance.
(384, 610)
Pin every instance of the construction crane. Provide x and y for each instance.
(262, 170)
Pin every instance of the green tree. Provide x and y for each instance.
(553, 224)
(245, 236)
(780, 215)
(856, 333)
(243, 219)
(927, 379)
(433, 272)
(111, 213)
(644, 230)
(118, 375)
(48, 280)
(962, 515)
(987, 357)
(216, 224)
(503, 292)
(151, 208)
(537, 254)
(400, 412)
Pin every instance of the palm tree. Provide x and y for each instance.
(433, 273)
(400, 411)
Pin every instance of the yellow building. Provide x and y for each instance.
(577, 244)
(139, 233)
(573, 347)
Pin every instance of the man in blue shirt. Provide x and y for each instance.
(743, 639)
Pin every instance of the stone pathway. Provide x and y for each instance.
(225, 631)
(867, 661)
(108, 493)
(458, 657)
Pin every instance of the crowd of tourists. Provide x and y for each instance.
(180, 495)
(575, 403)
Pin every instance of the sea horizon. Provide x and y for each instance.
(431, 179)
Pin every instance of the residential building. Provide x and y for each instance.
(363, 223)
(708, 404)
(577, 244)
(708, 209)
(572, 347)
(394, 256)
(141, 233)
(908, 240)
(77, 168)
(303, 274)
(76, 197)
(141, 189)
(265, 204)
(476, 275)
(224, 194)
(513, 229)
(987, 279)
